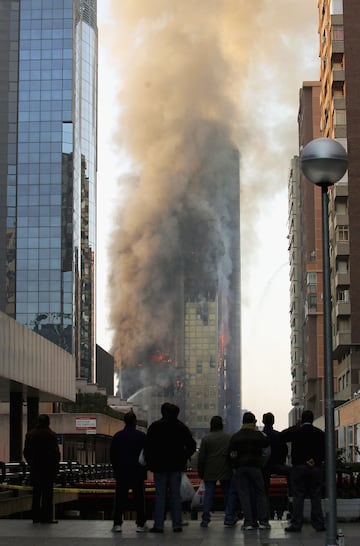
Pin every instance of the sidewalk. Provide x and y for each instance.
(90, 532)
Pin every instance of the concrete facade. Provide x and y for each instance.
(32, 365)
(32, 370)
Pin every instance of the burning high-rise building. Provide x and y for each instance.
(212, 317)
(195, 83)
(194, 360)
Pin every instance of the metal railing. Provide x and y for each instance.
(70, 472)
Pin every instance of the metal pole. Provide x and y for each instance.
(330, 460)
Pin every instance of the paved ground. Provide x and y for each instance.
(98, 532)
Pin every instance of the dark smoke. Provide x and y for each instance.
(187, 231)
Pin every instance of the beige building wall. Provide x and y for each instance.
(347, 423)
(33, 365)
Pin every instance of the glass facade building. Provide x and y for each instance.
(48, 133)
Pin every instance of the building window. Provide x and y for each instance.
(337, 32)
(343, 296)
(311, 278)
(312, 301)
(342, 233)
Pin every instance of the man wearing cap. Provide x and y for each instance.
(246, 457)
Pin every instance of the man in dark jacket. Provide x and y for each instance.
(276, 463)
(246, 457)
(307, 456)
(169, 444)
(41, 452)
(125, 449)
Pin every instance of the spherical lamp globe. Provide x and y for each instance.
(324, 161)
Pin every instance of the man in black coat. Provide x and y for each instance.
(169, 444)
(41, 452)
(276, 463)
(307, 457)
(125, 449)
(246, 457)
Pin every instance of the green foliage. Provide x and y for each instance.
(94, 403)
(91, 403)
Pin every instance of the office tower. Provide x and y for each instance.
(212, 324)
(104, 370)
(48, 105)
(195, 359)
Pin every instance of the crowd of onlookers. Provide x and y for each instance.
(242, 463)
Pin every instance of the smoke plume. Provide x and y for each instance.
(198, 80)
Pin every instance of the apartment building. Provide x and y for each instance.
(339, 119)
(328, 108)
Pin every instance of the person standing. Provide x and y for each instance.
(213, 465)
(41, 452)
(246, 456)
(307, 457)
(125, 449)
(168, 446)
(276, 463)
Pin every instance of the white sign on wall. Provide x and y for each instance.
(86, 424)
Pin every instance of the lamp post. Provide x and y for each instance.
(324, 161)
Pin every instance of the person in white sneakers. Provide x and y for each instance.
(246, 457)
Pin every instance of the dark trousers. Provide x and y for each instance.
(307, 481)
(42, 499)
(280, 470)
(121, 503)
(251, 490)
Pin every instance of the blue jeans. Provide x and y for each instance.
(232, 505)
(209, 496)
(163, 482)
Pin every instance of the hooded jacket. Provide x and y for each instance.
(168, 445)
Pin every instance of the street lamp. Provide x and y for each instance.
(324, 161)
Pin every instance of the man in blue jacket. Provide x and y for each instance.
(125, 449)
(169, 444)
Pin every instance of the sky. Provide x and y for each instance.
(264, 62)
